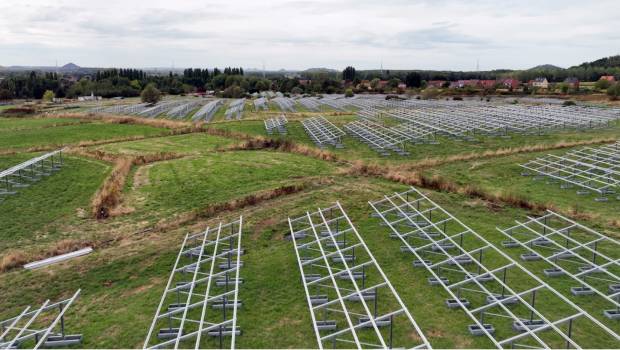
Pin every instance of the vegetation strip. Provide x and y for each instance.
(437, 183)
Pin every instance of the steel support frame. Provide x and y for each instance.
(20, 329)
(394, 208)
(200, 255)
(332, 238)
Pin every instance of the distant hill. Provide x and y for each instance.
(607, 62)
(70, 67)
(545, 67)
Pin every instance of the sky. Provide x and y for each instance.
(300, 34)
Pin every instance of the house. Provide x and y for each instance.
(511, 83)
(487, 83)
(609, 78)
(382, 84)
(435, 83)
(572, 82)
(304, 82)
(402, 86)
(463, 83)
(541, 83)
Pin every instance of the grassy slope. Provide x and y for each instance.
(30, 123)
(189, 183)
(63, 135)
(39, 213)
(357, 150)
(122, 285)
(504, 175)
(186, 144)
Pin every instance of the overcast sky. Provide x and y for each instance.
(403, 34)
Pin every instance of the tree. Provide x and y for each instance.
(150, 94)
(48, 96)
(5, 94)
(394, 82)
(614, 91)
(297, 90)
(602, 84)
(348, 74)
(348, 93)
(413, 79)
(374, 83)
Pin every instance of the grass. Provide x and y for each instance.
(504, 175)
(71, 134)
(40, 213)
(189, 183)
(128, 280)
(123, 279)
(7, 124)
(355, 150)
(193, 144)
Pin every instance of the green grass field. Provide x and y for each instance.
(41, 213)
(135, 249)
(23, 134)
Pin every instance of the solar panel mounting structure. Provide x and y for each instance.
(574, 253)
(39, 327)
(207, 111)
(381, 139)
(351, 300)
(278, 123)
(592, 169)
(474, 273)
(322, 132)
(28, 172)
(202, 292)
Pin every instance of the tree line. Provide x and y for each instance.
(234, 82)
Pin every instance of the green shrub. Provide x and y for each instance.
(150, 94)
(614, 91)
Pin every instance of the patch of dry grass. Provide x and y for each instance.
(109, 195)
(14, 258)
(259, 143)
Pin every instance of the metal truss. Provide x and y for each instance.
(379, 138)
(28, 172)
(323, 132)
(278, 123)
(207, 111)
(260, 103)
(235, 108)
(351, 300)
(183, 110)
(201, 297)
(285, 104)
(591, 169)
(475, 274)
(37, 327)
(574, 252)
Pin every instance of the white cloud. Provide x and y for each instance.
(426, 34)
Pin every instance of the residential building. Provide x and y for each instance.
(572, 82)
(488, 83)
(609, 78)
(541, 83)
(511, 83)
(435, 83)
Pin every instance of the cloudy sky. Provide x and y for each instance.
(420, 34)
